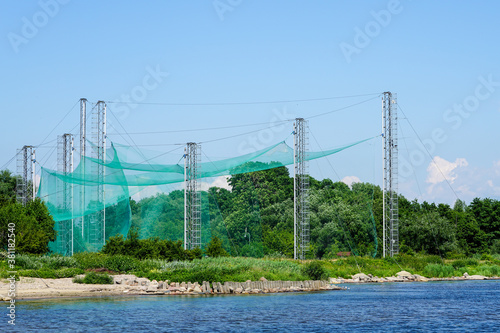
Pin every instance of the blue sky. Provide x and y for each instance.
(441, 59)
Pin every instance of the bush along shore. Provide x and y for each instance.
(89, 274)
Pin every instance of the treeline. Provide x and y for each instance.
(32, 224)
(255, 219)
(149, 248)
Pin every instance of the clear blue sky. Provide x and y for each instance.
(440, 58)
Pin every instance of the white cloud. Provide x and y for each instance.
(440, 170)
(349, 180)
(496, 189)
(146, 193)
(204, 186)
(217, 182)
(467, 181)
(496, 167)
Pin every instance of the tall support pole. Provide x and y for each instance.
(295, 191)
(33, 174)
(104, 137)
(83, 126)
(301, 187)
(83, 145)
(390, 191)
(192, 198)
(26, 170)
(384, 181)
(97, 222)
(65, 194)
(21, 180)
(72, 168)
(185, 199)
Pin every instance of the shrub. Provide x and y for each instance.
(315, 271)
(94, 278)
(121, 263)
(464, 263)
(214, 248)
(25, 261)
(495, 247)
(195, 253)
(151, 248)
(68, 272)
(45, 262)
(486, 256)
(57, 261)
(438, 270)
(38, 273)
(88, 260)
(114, 245)
(487, 270)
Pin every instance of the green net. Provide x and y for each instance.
(94, 202)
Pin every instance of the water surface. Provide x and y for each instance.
(472, 306)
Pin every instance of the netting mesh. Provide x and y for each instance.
(93, 202)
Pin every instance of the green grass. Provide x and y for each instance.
(49, 262)
(241, 269)
(46, 273)
(223, 269)
(94, 278)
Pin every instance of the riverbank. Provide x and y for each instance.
(52, 276)
(405, 276)
(243, 269)
(127, 284)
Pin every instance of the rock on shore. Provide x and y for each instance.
(133, 285)
(403, 276)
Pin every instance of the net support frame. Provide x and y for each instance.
(301, 230)
(192, 197)
(390, 218)
(65, 165)
(26, 170)
(96, 235)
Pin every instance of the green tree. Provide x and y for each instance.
(214, 248)
(7, 186)
(34, 227)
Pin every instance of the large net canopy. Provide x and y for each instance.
(93, 202)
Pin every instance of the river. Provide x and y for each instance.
(472, 306)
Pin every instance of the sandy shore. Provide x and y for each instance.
(33, 288)
(49, 288)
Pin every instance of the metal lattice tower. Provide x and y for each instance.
(300, 186)
(192, 197)
(83, 145)
(97, 221)
(390, 190)
(25, 183)
(65, 165)
(83, 126)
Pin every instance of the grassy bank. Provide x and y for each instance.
(240, 269)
